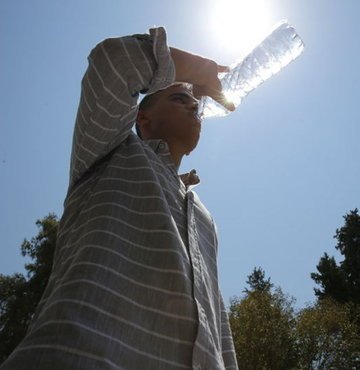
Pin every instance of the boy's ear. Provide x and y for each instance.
(143, 122)
(142, 118)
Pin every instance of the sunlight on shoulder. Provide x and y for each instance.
(240, 24)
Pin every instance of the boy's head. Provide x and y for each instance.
(170, 114)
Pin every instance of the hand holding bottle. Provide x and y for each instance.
(202, 73)
(278, 49)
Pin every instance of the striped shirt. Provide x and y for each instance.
(134, 283)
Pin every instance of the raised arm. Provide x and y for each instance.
(119, 69)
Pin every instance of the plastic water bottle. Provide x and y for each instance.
(277, 50)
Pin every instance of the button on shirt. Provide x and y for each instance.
(134, 283)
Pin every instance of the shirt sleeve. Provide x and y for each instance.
(119, 69)
(227, 344)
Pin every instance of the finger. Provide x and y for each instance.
(229, 105)
(222, 69)
(215, 94)
(221, 99)
(198, 91)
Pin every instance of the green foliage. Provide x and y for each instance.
(329, 332)
(341, 282)
(328, 337)
(256, 281)
(19, 295)
(14, 312)
(270, 335)
(262, 323)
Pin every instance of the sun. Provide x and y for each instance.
(240, 24)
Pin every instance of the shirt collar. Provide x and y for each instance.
(161, 148)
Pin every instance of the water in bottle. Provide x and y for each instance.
(277, 50)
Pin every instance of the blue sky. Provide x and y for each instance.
(278, 174)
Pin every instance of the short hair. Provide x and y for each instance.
(149, 100)
(146, 103)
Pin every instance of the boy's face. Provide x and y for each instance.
(173, 118)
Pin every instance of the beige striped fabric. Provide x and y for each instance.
(134, 283)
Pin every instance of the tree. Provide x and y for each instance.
(262, 323)
(327, 337)
(19, 295)
(342, 281)
(256, 281)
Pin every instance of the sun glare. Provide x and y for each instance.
(240, 25)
